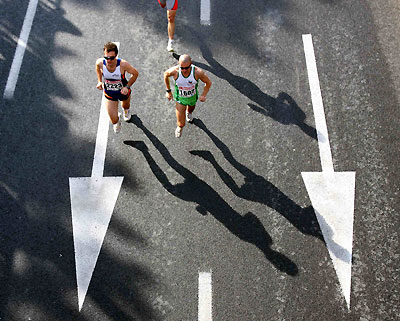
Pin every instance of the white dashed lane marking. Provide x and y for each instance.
(205, 297)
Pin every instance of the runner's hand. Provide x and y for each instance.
(124, 91)
(99, 85)
(168, 95)
(202, 99)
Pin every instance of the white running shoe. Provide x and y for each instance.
(178, 132)
(189, 117)
(117, 125)
(127, 114)
(170, 45)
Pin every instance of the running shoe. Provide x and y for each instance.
(189, 117)
(170, 45)
(127, 114)
(178, 132)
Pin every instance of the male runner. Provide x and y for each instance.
(111, 78)
(172, 6)
(186, 78)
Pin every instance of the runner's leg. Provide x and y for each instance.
(180, 115)
(190, 109)
(112, 109)
(189, 115)
(126, 104)
(171, 23)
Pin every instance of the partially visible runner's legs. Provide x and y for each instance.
(172, 6)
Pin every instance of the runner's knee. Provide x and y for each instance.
(190, 109)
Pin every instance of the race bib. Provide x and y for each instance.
(187, 91)
(113, 85)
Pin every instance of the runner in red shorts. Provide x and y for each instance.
(172, 6)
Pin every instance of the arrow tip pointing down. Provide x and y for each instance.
(92, 205)
(332, 197)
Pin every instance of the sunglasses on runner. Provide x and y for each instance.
(109, 58)
(184, 68)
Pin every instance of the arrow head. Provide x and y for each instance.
(92, 205)
(332, 197)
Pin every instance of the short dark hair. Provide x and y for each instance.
(110, 46)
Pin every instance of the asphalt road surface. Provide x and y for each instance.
(227, 198)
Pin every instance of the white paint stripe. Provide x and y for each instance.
(20, 51)
(205, 297)
(205, 12)
(101, 139)
(319, 114)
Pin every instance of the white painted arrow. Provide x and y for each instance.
(92, 204)
(331, 193)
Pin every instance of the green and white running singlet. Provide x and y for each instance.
(186, 92)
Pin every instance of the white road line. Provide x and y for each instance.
(101, 141)
(205, 297)
(319, 114)
(20, 51)
(205, 12)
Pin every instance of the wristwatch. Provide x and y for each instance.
(168, 90)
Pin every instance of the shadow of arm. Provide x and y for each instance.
(157, 171)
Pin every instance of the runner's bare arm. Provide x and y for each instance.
(200, 74)
(173, 71)
(99, 72)
(125, 66)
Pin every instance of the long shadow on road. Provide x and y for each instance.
(257, 189)
(282, 109)
(247, 227)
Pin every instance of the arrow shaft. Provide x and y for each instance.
(101, 142)
(318, 107)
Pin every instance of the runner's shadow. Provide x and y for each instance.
(257, 189)
(247, 227)
(283, 109)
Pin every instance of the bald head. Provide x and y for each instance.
(185, 59)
